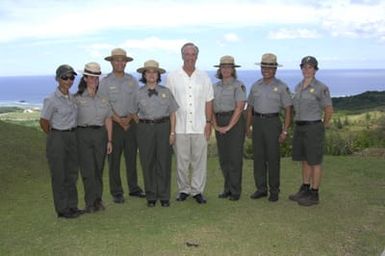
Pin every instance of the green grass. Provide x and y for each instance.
(348, 221)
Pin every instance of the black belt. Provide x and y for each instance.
(154, 121)
(269, 115)
(227, 113)
(91, 126)
(307, 122)
(65, 130)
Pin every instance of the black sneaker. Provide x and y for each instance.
(139, 194)
(68, 214)
(151, 203)
(311, 199)
(182, 197)
(258, 194)
(302, 192)
(119, 199)
(200, 199)
(273, 197)
(225, 194)
(165, 203)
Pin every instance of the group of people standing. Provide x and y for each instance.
(116, 116)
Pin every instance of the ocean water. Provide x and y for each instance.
(29, 91)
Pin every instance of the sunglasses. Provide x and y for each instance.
(65, 78)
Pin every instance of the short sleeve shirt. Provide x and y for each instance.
(154, 106)
(191, 93)
(60, 110)
(92, 110)
(119, 92)
(226, 95)
(310, 102)
(269, 98)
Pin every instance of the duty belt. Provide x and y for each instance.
(268, 115)
(154, 121)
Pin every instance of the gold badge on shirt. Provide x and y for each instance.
(163, 95)
(312, 90)
(275, 89)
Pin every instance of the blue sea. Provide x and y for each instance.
(29, 91)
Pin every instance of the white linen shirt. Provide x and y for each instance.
(191, 93)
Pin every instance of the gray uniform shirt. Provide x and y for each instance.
(226, 95)
(269, 98)
(119, 92)
(156, 106)
(310, 102)
(60, 110)
(92, 110)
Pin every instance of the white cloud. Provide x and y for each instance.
(50, 19)
(293, 34)
(231, 37)
(149, 43)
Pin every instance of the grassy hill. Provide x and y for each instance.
(349, 220)
(367, 101)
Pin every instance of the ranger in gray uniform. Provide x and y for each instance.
(266, 99)
(229, 125)
(58, 121)
(311, 100)
(155, 106)
(119, 87)
(94, 135)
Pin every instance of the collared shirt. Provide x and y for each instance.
(191, 93)
(269, 98)
(119, 92)
(60, 110)
(92, 110)
(226, 95)
(154, 106)
(310, 102)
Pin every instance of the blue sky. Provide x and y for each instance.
(37, 36)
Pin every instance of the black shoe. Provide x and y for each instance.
(139, 194)
(224, 195)
(91, 209)
(99, 205)
(234, 198)
(303, 191)
(200, 199)
(151, 203)
(258, 194)
(67, 215)
(312, 198)
(119, 199)
(273, 197)
(165, 203)
(182, 197)
(78, 211)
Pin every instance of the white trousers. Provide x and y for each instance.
(191, 149)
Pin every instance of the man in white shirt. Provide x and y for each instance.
(193, 92)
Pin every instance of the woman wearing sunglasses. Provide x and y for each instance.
(58, 120)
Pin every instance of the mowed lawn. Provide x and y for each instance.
(350, 219)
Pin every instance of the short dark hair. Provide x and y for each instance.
(144, 80)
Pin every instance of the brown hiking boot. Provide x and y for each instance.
(302, 192)
(311, 199)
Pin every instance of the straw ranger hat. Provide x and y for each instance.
(118, 52)
(92, 69)
(227, 60)
(151, 64)
(269, 60)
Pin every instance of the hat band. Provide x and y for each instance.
(269, 64)
(91, 72)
